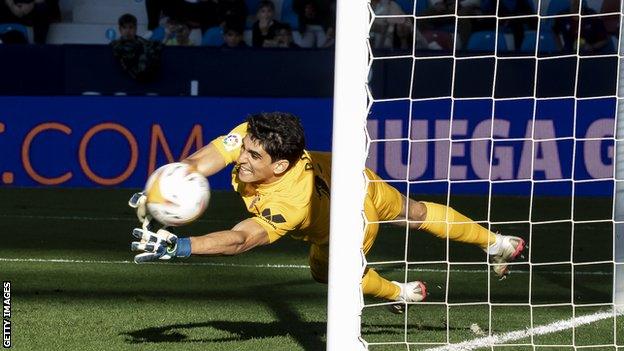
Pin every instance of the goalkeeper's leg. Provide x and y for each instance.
(443, 221)
(372, 283)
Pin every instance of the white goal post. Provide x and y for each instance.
(348, 188)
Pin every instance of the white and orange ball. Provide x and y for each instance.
(176, 194)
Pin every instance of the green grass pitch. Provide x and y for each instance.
(66, 253)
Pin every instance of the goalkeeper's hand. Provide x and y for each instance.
(161, 245)
(138, 201)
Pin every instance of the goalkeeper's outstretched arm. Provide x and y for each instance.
(165, 245)
(243, 237)
(207, 160)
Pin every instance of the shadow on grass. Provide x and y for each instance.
(307, 334)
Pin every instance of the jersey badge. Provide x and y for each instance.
(232, 141)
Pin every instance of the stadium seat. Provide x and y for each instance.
(421, 6)
(408, 5)
(252, 6)
(292, 19)
(158, 34)
(213, 37)
(103, 12)
(67, 10)
(557, 7)
(79, 33)
(7, 27)
(595, 5)
(488, 6)
(279, 8)
(546, 41)
(484, 41)
(247, 37)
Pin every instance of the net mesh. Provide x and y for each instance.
(505, 111)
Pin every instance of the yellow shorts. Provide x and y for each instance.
(382, 203)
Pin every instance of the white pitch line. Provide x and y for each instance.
(521, 334)
(264, 265)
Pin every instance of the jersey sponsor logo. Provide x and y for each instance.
(275, 218)
(232, 141)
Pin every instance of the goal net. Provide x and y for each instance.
(506, 111)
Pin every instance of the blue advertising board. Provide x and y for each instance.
(118, 141)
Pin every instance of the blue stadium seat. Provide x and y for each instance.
(556, 7)
(287, 6)
(408, 5)
(252, 6)
(421, 6)
(213, 37)
(7, 27)
(484, 41)
(546, 41)
(292, 19)
(488, 6)
(158, 34)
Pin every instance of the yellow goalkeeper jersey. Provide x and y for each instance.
(297, 204)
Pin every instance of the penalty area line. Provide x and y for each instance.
(554, 327)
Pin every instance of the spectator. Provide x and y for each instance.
(139, 57)
(517, 25)
(194, 13)
(34, 13)
(284, 37)
(233, 38)
(156, 9)
(232, 13)
(594, 36)
(177, 33)
(127, 27)
(313, 22)
(265, 27)
(465, 26)
(392, 33)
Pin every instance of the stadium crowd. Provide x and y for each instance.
(311, 24)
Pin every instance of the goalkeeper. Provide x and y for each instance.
(286, 190)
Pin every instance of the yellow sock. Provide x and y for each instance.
(375, 285)
(460, 227)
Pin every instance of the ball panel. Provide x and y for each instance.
(176, 195)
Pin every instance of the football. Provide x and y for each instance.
(176, 195)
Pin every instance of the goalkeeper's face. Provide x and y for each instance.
(254, 164)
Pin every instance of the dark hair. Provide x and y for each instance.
(266, 3)
(232, 27)
(279, 133)
(127, 19)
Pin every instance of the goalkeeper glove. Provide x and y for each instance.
(138, 201)
(161, 245)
